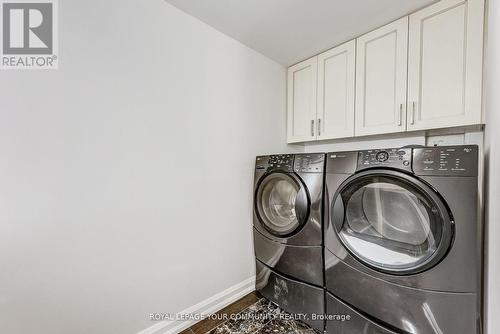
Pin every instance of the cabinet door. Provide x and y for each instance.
(336, 70)
(445, 65)
(302, 86)
(381, 73)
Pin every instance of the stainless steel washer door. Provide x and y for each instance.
(282, 203)
(392, 222)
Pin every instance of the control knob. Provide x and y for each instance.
(382, 156)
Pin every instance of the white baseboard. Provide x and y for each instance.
(206, 307)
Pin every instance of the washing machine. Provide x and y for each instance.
(403, 249)
(288, 233)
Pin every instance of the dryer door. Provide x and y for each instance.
(282, 203)
(392, 222)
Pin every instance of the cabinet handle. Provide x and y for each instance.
(400, 115)
(312, 128)
(319, 126)
(412, 119)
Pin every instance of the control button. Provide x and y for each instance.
(406, 162)
(382, 156)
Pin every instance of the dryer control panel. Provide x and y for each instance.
(460, 160)
(446, 160)
(399, 158)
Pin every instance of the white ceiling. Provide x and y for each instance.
(292, 30)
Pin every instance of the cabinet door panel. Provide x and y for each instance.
(445, 65)
(302, 86)
(336, 70)
(381, 68)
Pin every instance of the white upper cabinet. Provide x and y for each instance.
(421, 72)
(336, 85)
(381, 74)
(445, 65)
(302, 87)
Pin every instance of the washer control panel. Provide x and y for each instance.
(446, 160)
(395, 157)
(309, 163)
(299, 163)
(283, 162)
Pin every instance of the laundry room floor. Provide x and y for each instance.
(251, 314)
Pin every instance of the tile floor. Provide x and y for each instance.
(252, 314)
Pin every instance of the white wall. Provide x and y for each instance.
(492, 149)
(363, 143)
(126, 175)
(459, 136)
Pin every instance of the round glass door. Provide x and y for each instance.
(281, 203)
(392, 222)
